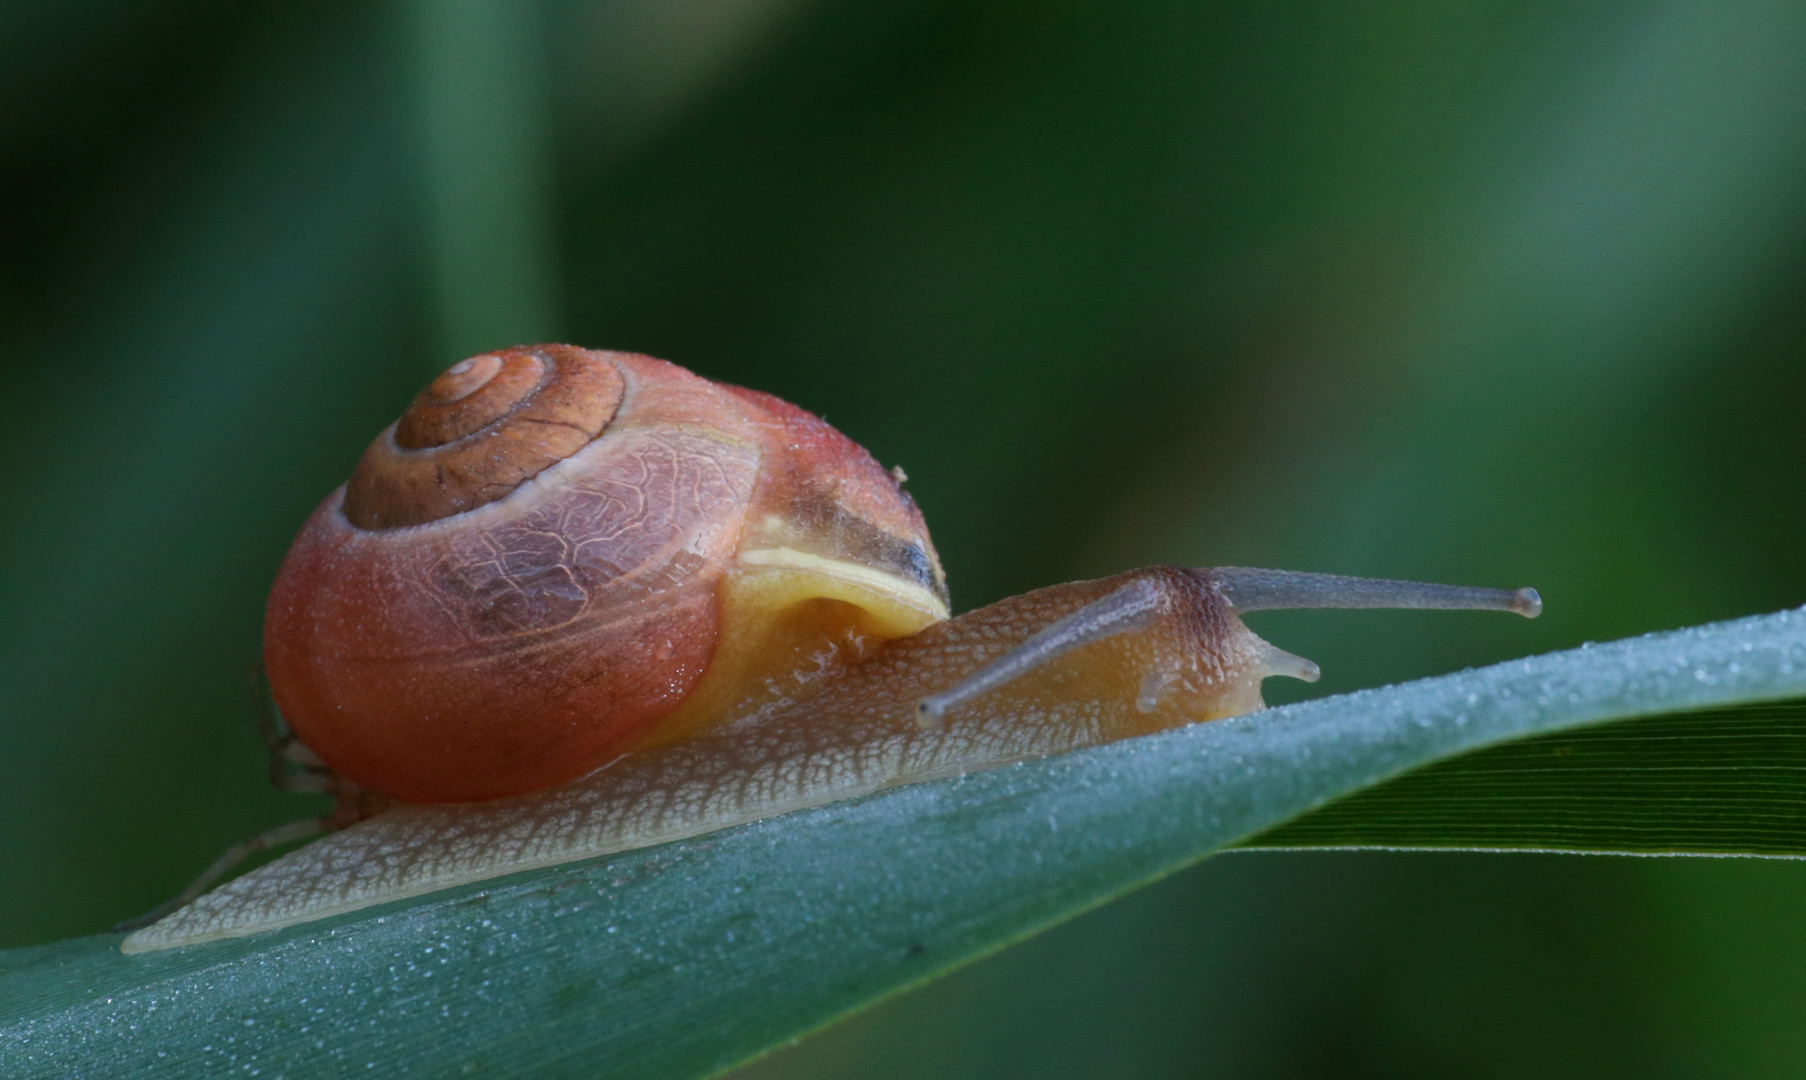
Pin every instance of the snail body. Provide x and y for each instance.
(581, 636)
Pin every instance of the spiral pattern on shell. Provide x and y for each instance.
(480, 430)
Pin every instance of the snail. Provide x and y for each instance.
(575, 602)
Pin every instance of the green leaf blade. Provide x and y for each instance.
(685, 959)
(1719, 782)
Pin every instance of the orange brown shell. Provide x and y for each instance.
(523, 576)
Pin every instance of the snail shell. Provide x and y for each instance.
(530, 572)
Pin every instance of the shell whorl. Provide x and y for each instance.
(481, 429)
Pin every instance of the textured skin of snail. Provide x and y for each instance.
(854, 735)
(578, 602)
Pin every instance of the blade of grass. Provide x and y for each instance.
(483, 102)
(681, 960)
(1718, 782)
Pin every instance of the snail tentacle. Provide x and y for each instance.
(1250, 589)
(1126, 611)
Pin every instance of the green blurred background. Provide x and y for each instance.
(1493, 292)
